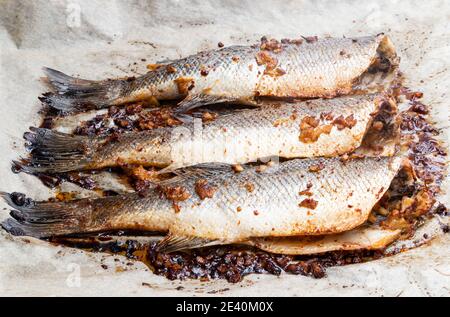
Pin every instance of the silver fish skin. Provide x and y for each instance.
(276, 129)
(297, 197)
(320, 68)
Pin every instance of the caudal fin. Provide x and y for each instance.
(54, 152)
(41, 219)
(74, 95)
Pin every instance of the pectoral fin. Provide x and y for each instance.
(198, 100)
(173, 243)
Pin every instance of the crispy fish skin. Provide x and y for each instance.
(297, 197)
(322, 68)
(366, 238)
(322, 127)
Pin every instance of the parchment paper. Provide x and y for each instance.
(98, 39)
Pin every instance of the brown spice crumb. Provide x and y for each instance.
(310, 130)
(153, 67)
(317, 270)
(328, 116)
(209, 116)
(293, 116)
(146, 125)
(378, 125)
(275, 72)
(123, 123)
(308, 203)
(170, 69)
(445, 228)
(250, 187)
(305, 192)
(161, 117)
(317, 167)
(177, 193)
(270, 45)
(64, 196)
(133, 108)
(256, 212)
(239, 209)
(293, 41)
(140, 173)
(342, 123)
(264, 58)
(411, 95)
(238, 168)
(184, 84)
(142, 187)
(220, 44)
(204, 72)
(418, 107)
(176, 207)
(309, 121)
(350, 121)
(235, 59)
(311, 39)
(203, 189)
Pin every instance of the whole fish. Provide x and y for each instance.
(303, 68)
(322, 127)
(206, 205)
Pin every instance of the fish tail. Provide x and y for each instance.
(42, 219)
(54, 152)
(74, 95)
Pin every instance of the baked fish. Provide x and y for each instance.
(291, 68)
(321, 127)
(206, 205)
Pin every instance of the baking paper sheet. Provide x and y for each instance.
(98, 39)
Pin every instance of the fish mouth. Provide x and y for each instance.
(383, 69)
(382, 136)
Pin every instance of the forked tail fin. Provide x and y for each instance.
(42, 219)
(73, 94)
(54, 152)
